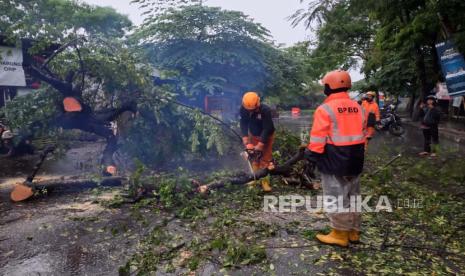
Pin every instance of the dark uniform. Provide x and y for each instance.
(260, 126)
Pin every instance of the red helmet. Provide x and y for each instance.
(337, 80)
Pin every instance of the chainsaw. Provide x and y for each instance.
(25, 190)
(251, 156)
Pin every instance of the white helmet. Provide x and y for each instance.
(7, 135)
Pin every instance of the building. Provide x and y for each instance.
(222, 104)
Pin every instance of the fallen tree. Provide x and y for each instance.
(87, 119)
(303, 176)
(284, 169)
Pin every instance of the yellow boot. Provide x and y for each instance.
(266, 184)
(336, 237)
(354, 236)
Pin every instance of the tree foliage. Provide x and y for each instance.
(208, 50)
(96, 64)
(293, 83)
(205, 48)
(393, 39)
(55, 20)
(152, 8)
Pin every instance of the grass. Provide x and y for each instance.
(423, 235)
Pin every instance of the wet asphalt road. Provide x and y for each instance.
(410, 143)
(69, 234)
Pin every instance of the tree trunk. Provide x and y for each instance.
(88, 120)
(421, 79)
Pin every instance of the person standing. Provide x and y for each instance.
(258, 130)
(8, 143)
(373, 115)
(429, 125)
(337, 146)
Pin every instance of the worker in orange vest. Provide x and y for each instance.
(336, 145)
(258, 129)
(373, 116)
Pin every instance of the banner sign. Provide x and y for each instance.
(457, 102)
(453, 67)
(11, 67)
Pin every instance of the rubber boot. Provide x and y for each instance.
(367, 141)
(354, 236)
(266, 184)
(336, 237)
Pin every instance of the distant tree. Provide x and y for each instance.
(394, 39)
(57, 20)
(295, 82)
(315, 13)
(205, 48)
(153, 8)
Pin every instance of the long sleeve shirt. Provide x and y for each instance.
(257, 123)
(430, 117)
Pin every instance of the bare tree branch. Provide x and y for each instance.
(60, 85)
(58, 51)
(81, 65)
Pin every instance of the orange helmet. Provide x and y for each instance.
(251, 101)
(337, 80)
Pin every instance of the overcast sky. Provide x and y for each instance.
(270, 13)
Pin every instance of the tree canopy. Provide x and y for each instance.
(207, 49)
(57, 19)
(393, 40)
(96, 64)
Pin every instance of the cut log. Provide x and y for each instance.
(78, 184)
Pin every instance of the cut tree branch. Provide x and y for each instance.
(243, 178)
(81, 67)
(62, 87)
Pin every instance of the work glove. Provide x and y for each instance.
(249, 148)
(259, 147)
(245, 140)
(252, 153)
(310, 156)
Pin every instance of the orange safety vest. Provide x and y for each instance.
(339, 121)
(371, 107)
